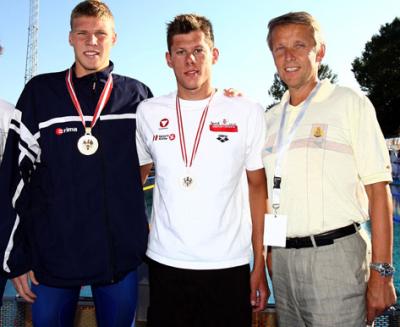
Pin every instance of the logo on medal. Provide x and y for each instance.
(88, 144)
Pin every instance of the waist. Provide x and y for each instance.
(326, 238)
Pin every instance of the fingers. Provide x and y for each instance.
(231, 92)
(22, 287)
(258, 300)
(370, 316)
(33, 278)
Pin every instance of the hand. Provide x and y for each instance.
(380, 295)
(231, 93)
(21, 285)
(259, 290)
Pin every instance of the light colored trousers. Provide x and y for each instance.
(322, 286)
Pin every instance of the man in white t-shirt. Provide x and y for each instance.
(6, 110)
(328, 169)
(210, 195)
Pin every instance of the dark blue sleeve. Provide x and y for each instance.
(20, 155)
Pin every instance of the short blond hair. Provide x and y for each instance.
(91, 8)
(300, 17)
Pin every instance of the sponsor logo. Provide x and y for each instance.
(224, 126)
(164, 122)
(223, 138)
(60, 131)
(163, 137)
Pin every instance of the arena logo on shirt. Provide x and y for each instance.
(163, 137)
(223, 126)
(164, 123)
(60, 131)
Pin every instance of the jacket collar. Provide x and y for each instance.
(99, 76)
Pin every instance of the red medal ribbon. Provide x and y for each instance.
(198, 134)
(104, 97)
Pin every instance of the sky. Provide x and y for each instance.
(240, 29)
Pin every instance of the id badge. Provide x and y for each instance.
(275, 230)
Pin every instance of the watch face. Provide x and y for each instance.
(385, 269)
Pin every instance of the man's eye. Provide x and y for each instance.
(180, 52)
(198, 51)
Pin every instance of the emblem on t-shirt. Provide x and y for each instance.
(222, 138)
(224, 126)
(319, 130)
(60, 131)
(164, 123)
(164, 137)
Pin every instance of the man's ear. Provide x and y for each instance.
(70, 38)
(215, 55)
(114, 40)
(321, 53)
(168, 58)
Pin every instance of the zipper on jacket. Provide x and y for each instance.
(94, 82)
(106, 217)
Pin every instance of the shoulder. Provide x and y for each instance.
(131, 84)
(242, 103)
(164, 101)
(6, 108)
(48, 78)
(329, 90)
(45, 81)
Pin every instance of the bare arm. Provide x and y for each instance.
(258, 197)
(145, 171)
(380, 293)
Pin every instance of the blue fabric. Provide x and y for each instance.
(115, 304)
(82, 218)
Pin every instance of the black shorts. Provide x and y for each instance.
(199, 298)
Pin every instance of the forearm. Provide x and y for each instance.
(258, 198)
(381, 210)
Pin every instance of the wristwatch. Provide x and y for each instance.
(384, 269)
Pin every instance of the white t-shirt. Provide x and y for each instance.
(337, 149)
(206, 226)
(6, 111)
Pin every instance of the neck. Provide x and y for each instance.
(81, 71)
(199, 94)
(298, 95)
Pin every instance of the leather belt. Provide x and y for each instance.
(322, 239)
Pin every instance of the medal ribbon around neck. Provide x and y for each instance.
(198, 133)
(104, 97)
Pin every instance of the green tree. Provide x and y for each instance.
(279, 87)
(378, 73)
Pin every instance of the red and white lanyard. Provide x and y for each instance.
(104, 97)
(198, 133)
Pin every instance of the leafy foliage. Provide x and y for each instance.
(378, 73)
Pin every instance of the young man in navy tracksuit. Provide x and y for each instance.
(71, 201)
